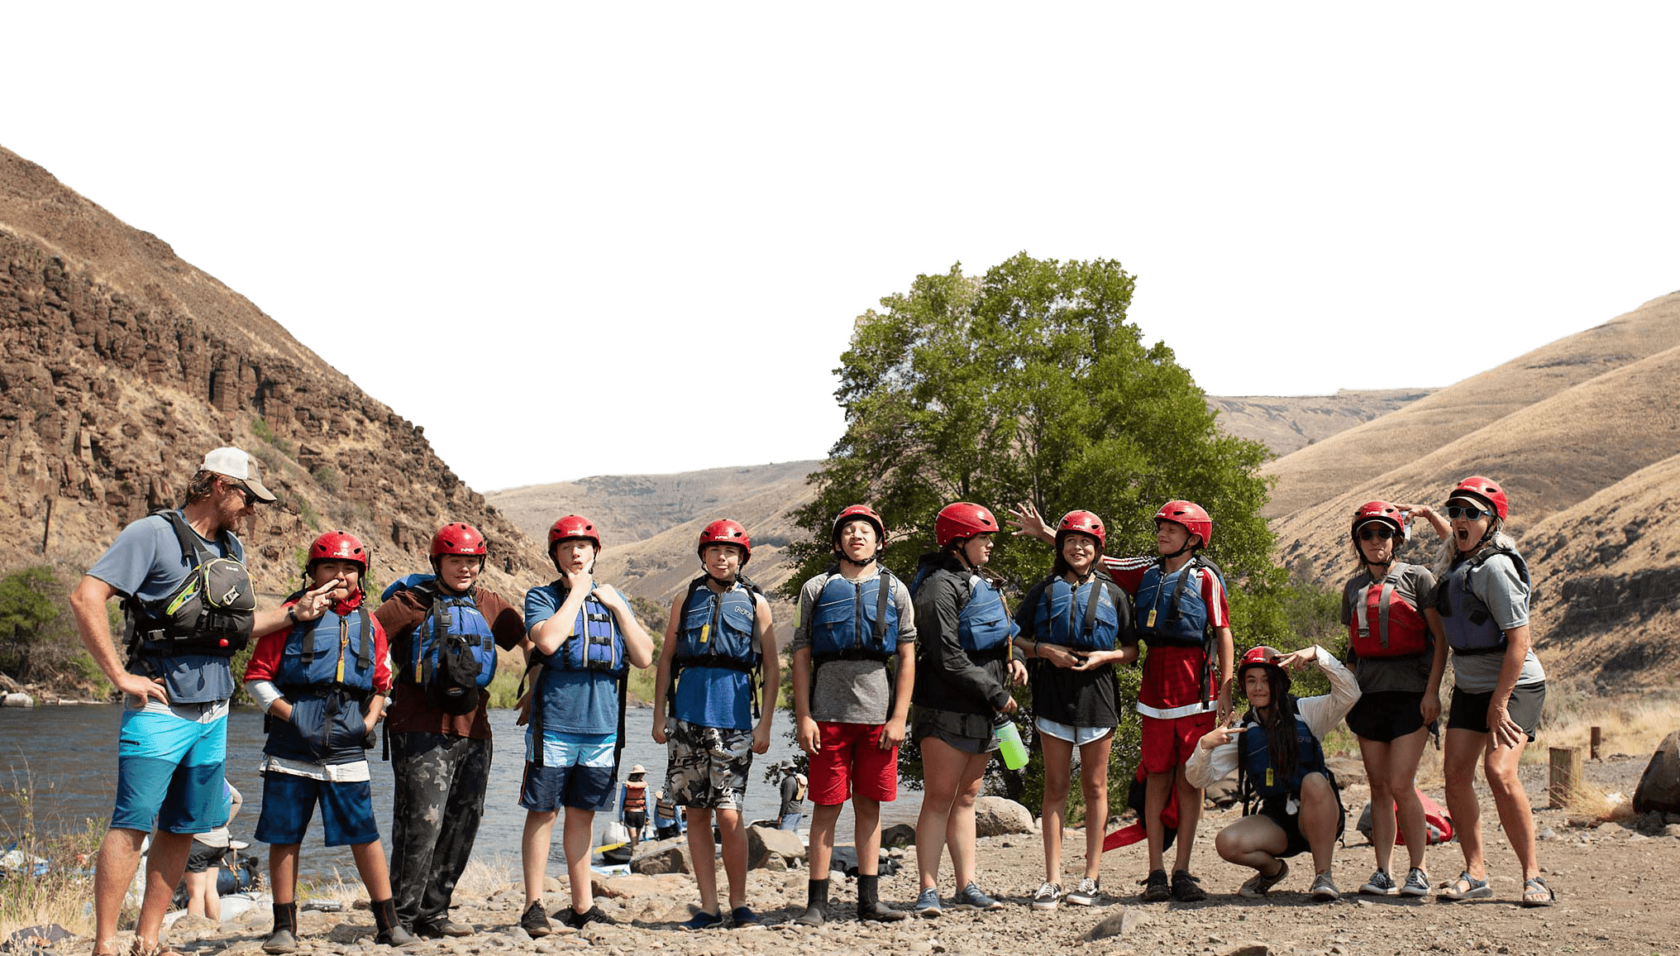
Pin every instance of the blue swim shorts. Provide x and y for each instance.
(170, 770)
(576, 772)
(289, 803)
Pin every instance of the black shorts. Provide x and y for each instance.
(1468, 711)
(968, 733)
(634, 821)
(203, 857)
(1386, 715)
(1276, 809)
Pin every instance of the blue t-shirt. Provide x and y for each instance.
(145, 562)
(575, 702)
(717, 696)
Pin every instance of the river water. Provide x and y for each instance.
(60, 765)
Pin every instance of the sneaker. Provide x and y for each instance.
(1156, 889)
(1088, 893)
(442, 928)
(535, 921)
(973, 898)
(1260, 884)
(703, 920)
(1048, 895)
(1417, 883)
(280, 941)
(1187, 888)
(1324, 888)
(1380, 884)
(594, 915)
(744, 916)
(927, 903)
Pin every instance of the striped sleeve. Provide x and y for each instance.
(1213, 595)
(1128, 572)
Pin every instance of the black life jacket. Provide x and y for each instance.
(210, 612)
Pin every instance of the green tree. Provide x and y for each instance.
(1029, 385)
(28, 615)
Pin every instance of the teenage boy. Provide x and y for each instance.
(1183, 619)
(585, 640)
(854, 620)
(720, 634)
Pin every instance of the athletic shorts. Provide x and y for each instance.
(1386, 715)
(203, 856)
(170, 770)
(1276, 809)
(967, 733)
(706, 767)
(1078, 736)
(1468, 711)
(1169, 744)
(851, 762)
(576, 773)
(289, 803)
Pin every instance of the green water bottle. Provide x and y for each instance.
(1009, 741)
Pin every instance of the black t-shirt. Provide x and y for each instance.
(1076, 698)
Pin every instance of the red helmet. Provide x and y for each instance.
(1485, 489)
(458, 538)
(572, 526)
(962, 520)
(338, 546)
(1189, 514)
(1261, 656)
(726, 531)
(859, 511)
(1379, 511)
(1083, 522)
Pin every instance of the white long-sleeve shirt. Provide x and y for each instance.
(1321, 714)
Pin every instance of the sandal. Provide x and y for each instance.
(1537, 893)
(1474, 889)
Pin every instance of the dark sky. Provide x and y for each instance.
(577, 274)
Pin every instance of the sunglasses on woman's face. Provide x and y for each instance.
(1465, 512)
(1378, 533)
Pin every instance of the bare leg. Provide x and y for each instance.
(734, 836)
(370, 863)
(578, 835)
(195, 893)
(164, 866)
(1403, 758)
(703, 852)
(534, 846)
(1254, 842)
(1093, 782)
(1058, 775)
(1189, 814)
(866, 834)
(119, 854)
(1157, 789)
(1516, 815)
(1376, 755)
(212, 896)
(1463, 750)
(1318, 817)
(282, 872)
(959, 827)
(942, 769)
(823, 818)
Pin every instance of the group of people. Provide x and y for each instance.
(866, 647)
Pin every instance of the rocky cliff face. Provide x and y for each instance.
(123, 365)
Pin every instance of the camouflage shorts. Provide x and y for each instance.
(706, 767)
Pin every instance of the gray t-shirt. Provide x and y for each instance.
(145, 562)
(1416, 584)
(1502, 589)
(852, 692)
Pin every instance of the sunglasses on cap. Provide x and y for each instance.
(1467, 512)
(1376, 532)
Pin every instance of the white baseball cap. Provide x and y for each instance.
(235, 463)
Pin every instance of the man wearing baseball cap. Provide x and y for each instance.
(188, 607)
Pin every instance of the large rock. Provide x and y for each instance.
(763, 843)
(663, 856)
(1659, 788)
(899, 834)
(996, 816)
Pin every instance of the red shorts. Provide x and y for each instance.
(850, 761)
(1169, 744)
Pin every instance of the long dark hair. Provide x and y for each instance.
(1279, 724)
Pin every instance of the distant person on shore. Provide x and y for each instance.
(1075, 625)
(1398, 653)
(204, 863)
(964, 672)
(794, 787)
(1499, 687)
(444, 632)
(188, 607)
(1290, 803)
(667, 822)
(720, 634)
(585, 639)
(1178, 604)
(633, 796)
(851, 708)
(323, 684)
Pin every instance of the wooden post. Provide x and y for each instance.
(1597, 738)
(1566, 776)
(46, 526)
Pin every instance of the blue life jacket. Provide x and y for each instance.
(1084, 618)
(595, 643)
(1170, 611)
(1470, 628)
(718, 630)
(451, 616)
(984, 628)
(328, 653)
(1257, 779)
(855, 620)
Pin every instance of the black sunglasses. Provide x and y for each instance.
(1466, 512)
(1377, 533)
(244, 492)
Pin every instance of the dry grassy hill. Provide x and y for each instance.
(1287, 423)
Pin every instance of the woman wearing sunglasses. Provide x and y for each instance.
(1499, 686)
(1397, 653)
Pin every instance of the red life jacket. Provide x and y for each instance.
(1385, 624)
